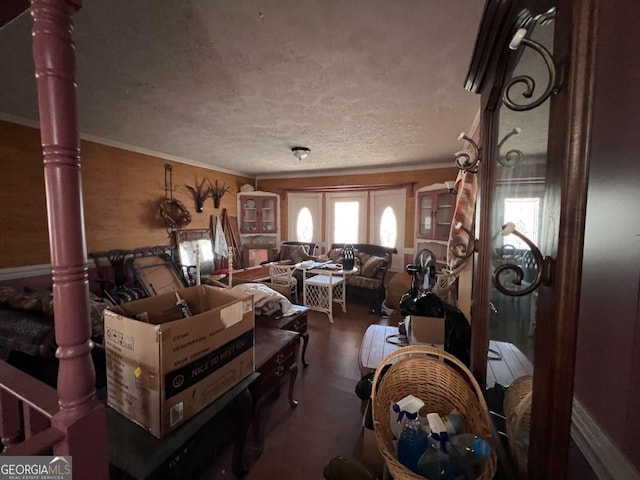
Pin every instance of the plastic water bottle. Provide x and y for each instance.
(454, 423)
(467, 452)
(397, 417)
(436, 463)
(413, 439)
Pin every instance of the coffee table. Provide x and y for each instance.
(374, 348)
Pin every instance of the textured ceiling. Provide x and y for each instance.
(235, 84)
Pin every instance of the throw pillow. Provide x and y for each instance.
(335, 254)
(287, 250)
(299, 254)
(372, 266)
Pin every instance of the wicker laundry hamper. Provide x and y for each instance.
(517, 410)
(442, 386)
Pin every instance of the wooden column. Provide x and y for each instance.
(81, 417)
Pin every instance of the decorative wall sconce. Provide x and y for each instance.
(464, 160)
(513, 156)
(520, 39)
(543, 271)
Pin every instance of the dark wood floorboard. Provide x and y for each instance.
(299, 442)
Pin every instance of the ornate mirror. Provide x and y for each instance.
(520, 222)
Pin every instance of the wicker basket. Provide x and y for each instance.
(517, 410)
(442, 386)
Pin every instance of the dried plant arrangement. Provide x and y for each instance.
(217, 191)
(200, 194)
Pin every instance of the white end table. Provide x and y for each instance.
(322, 290)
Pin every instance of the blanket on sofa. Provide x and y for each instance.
(27, 322)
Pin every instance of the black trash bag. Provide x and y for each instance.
(363, 387)
(457, 334)
(457, 331)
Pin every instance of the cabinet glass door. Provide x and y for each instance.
(268, 215)
(443, 215)
(425, 216)
(249, 215)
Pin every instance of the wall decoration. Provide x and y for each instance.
(172, 211)
(200, 193)
(217, 192)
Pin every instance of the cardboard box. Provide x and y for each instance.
(429, 330)
(162, 372)
(370, 457)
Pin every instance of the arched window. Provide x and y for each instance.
(388, 228)
(304, 226)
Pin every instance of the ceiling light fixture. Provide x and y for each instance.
(300, 152)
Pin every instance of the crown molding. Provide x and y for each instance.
(144, 151)
(356, 171)
(124, 146)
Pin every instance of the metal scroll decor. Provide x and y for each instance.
(465, 161)
(543, 272)
(520, 39)
(513, 156)
(459, 248)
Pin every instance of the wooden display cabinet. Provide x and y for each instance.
(435, 212)
(258, 213)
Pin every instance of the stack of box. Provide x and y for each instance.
(164, 368)
(425, 330)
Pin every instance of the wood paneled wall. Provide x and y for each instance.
(121, 190)
(422, 178)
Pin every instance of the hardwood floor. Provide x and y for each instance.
(299, 442)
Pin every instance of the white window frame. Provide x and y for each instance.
(399, 195)
(360, 197)
(298, 201)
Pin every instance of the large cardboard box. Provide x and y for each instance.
(370, 456)
(426, 330)
(163, 371)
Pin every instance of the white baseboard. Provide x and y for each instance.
(25, 272)
(604, 457)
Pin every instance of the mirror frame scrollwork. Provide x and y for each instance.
(520, 39)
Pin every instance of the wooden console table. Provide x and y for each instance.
(186, 452)
(295, 323)
(276, 354)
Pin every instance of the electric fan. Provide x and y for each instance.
(423, 273)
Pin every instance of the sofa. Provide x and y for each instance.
(27, 336)
(296, 251)
(372, 261)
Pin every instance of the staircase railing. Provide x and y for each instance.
(26, 408)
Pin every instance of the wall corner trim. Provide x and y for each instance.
(604, 457)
